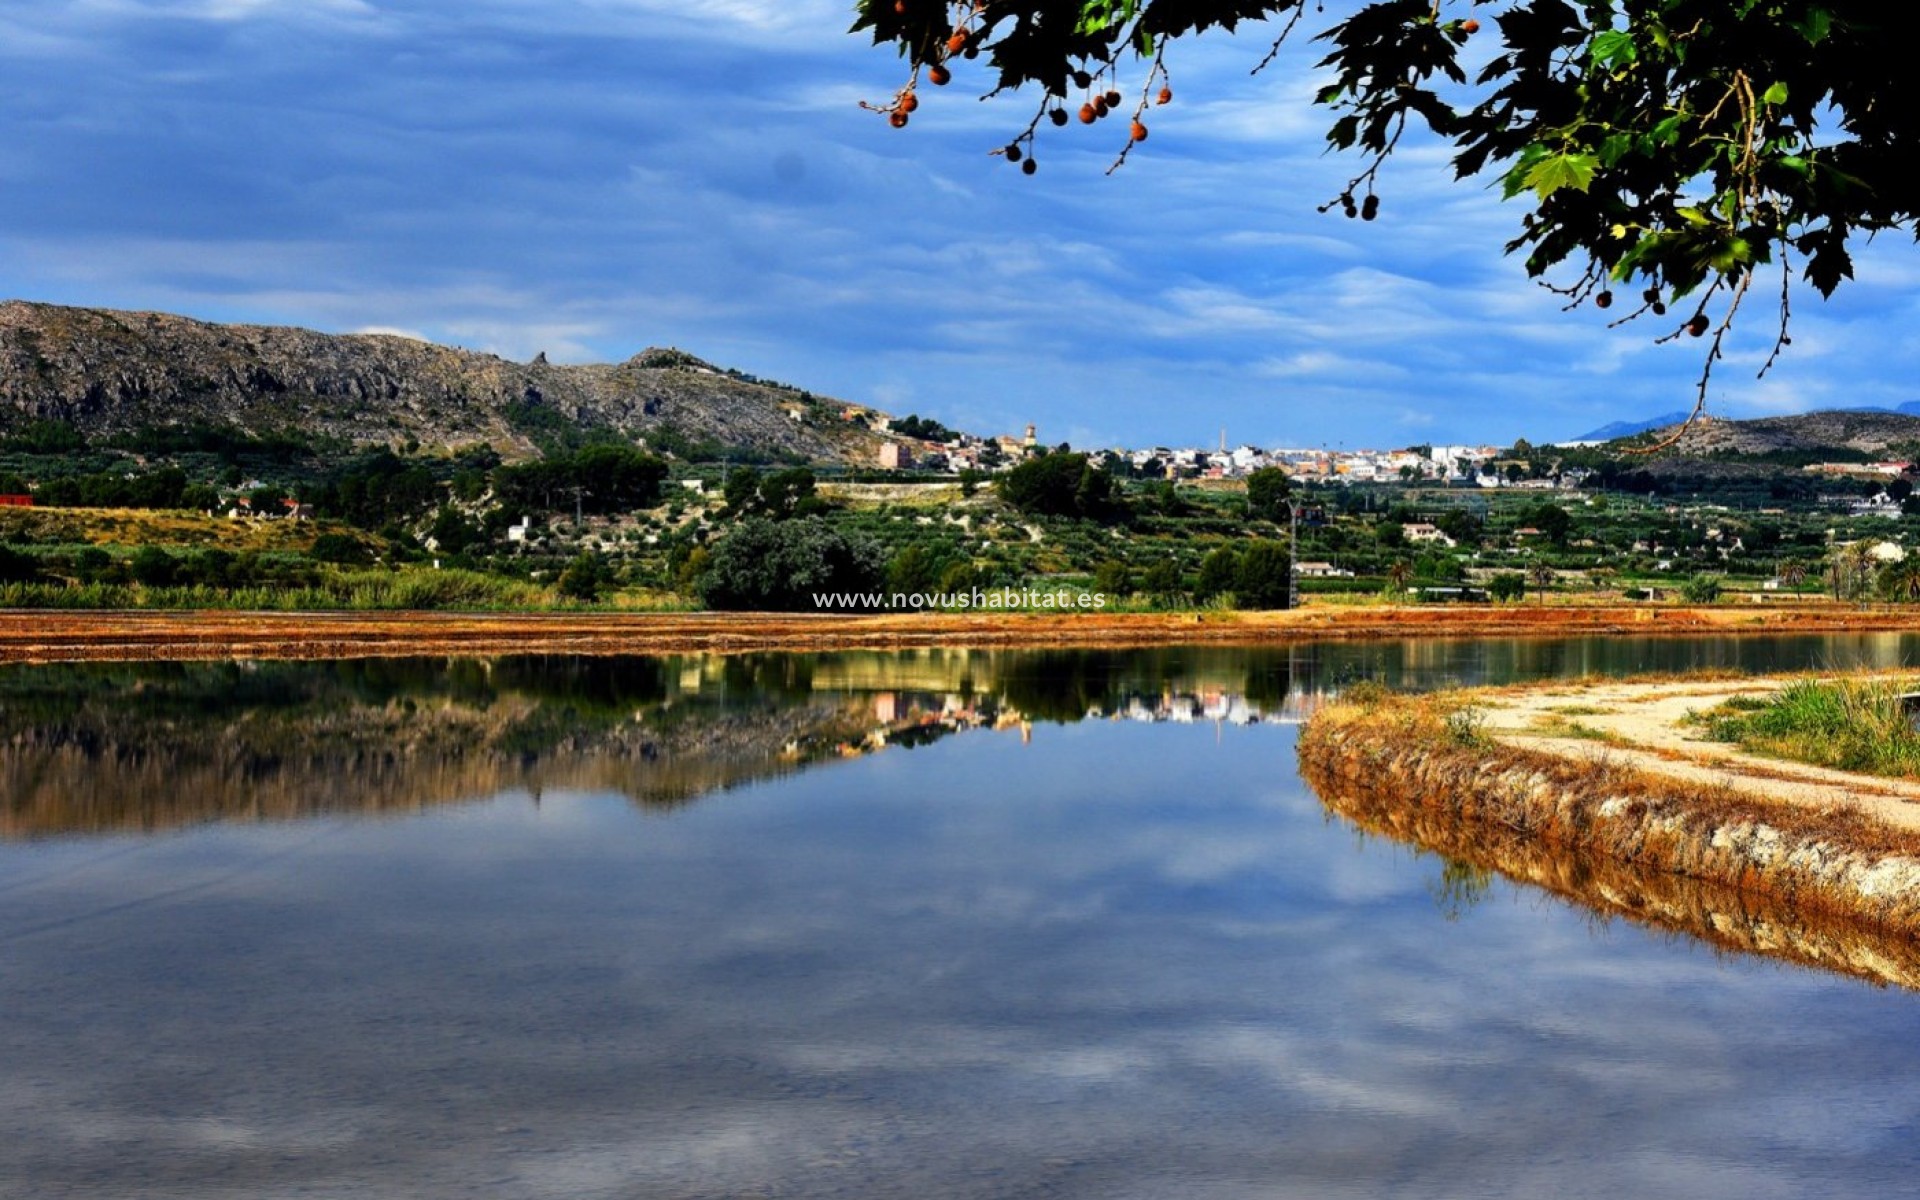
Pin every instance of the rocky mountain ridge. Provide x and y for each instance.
(112, 372)
(1862, 431)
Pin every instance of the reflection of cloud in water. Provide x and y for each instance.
(1121, 960)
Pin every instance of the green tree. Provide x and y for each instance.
(585, 577)
(1550, 519)
(17, 566)
(1162, 580)
(1267, 492)
(1113, 580)
(337, 548)
(788, 566)
(1061, 484)
(1670, 148)
(154, 567)
(1218, 571)
(1507, 585)
(1264, 577)
(778, 494)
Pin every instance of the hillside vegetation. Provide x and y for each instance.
(111, 373)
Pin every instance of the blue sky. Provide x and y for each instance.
(590, 177)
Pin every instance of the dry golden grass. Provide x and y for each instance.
(148, 527)
(1418, 753)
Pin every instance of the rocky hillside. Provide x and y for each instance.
(1864, 432)
(116, 372)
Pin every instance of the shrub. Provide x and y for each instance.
(1701, 589)
(780, 566)
(584, 577)
(153, 567)
(338, 548)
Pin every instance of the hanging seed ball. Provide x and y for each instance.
(1013, 152)
(1370, 208)
(1100, 106)
(1698, 325)
(909, 102)
(1029, 167)
(1165, 96)
(1603, 300)
(1137, 132)
(1059, 116)
(939, 74)
(1113, 98)
(957, 42)
(897, 119)
(1087, 114)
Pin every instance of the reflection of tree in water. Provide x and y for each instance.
(1269, 680)
(151, 745)
(1060, 685)
(1722, 917)
(1459, 887)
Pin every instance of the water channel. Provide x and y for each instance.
(928, 924)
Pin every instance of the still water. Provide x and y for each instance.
(968, 924)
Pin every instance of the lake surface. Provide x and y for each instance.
(907, 924)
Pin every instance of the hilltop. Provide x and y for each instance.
(1856, 431)
(107, 373)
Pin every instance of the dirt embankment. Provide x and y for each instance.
(47, 636)
(1786, 861)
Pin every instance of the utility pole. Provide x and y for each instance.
(1293, 554)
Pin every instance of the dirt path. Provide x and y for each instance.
(45, 636)
(1644, 725)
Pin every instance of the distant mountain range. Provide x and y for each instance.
(1620, 429)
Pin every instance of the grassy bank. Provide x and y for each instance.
(1848, 725)
(1431, 755)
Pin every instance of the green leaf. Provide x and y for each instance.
(1615, 148)
(1775, 95)
(1557, 171)
(1737, 252)
(1613, 48)
(1668, 131)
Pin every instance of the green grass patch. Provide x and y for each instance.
(1851, 726)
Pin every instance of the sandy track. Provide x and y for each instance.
(1644, 725)
(48, 636)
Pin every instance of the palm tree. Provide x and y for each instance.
(1849, 568)
(1793, 573)
(1541, 576)
(1398, 574)
(1901, 580)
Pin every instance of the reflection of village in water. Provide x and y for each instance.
(130, 748)
(148, 745)
(144, 746)
(119, 747)
(919, 699)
